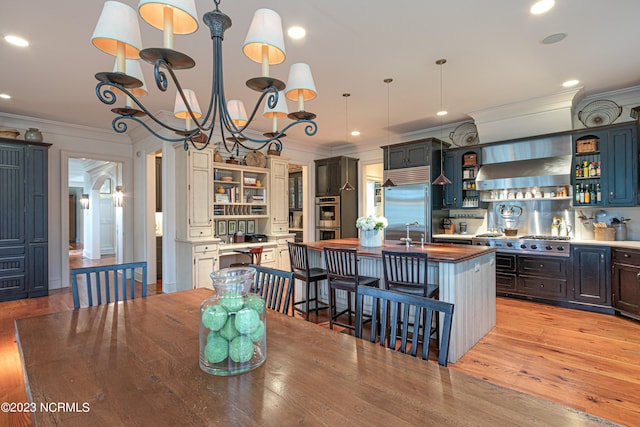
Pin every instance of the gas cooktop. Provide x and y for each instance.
(544, 237)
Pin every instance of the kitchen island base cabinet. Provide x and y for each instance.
(468, 282)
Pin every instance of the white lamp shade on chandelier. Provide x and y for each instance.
(237, 113)
(265, 42)
(300, 85)
(180, 109)
(84, 201)
(183, 17)
(279, 111)
(117, 33)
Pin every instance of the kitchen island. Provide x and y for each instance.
(465, 274)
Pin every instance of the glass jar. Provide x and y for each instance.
(233, 330)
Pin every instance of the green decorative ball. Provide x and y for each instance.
(216, 350)
(258, 333)
(241, 349)
(256, 303)
(214, 317)
(247, 320)
(229, 330)
(232, 301)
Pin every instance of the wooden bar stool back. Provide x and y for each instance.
(299, 257)
(342, 273)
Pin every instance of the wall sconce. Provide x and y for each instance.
(84, 201)
(118, 197)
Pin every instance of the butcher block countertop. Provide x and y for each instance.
(438, 252)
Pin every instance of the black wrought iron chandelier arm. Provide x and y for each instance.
(105, 94)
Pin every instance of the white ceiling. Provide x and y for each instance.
(493, 47)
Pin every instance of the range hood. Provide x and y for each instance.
(541, 172)
(544, 161)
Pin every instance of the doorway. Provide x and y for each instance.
(94, 220)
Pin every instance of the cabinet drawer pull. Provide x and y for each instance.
(627, 256)
(541, 265)
(638, 276)
(542, 285)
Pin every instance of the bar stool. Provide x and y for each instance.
(254, 253)
(342, 274)
(299, 257)
(406, 272)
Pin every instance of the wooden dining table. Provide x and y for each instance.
(135, 363)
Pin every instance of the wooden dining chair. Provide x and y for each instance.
(275, 287)
(393, 311)
(299, 258)
(342, 273)
(106, 281)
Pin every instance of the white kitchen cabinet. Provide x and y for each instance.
(194, 185)
(279, 196)
(284, 262)
(205, 261)
(197, 260)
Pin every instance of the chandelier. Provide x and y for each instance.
(117, 33)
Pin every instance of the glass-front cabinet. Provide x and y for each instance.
(605, 166)
(461, 167)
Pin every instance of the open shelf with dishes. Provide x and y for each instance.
(240, 192)
(526, 194)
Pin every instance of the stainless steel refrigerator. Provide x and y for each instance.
(406, 204)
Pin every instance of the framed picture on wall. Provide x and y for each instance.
(222, 228)
(242, 226)
(251, 226)
(232, 227)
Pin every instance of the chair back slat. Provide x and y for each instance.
(404, 312)
(96, 277)
(274, 286)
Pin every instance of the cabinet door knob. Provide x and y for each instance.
(638, 276)
(542, 285)
(627, 256)
(541, 265)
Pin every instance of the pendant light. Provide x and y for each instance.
(388, 183)
(346, 186)
(441, 179)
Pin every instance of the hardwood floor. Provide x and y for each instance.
(587, 361)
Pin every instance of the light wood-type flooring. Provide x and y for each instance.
(587, 361)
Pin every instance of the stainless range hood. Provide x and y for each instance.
(544, 172)
(542, 162)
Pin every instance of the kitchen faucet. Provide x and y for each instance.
(407, 239)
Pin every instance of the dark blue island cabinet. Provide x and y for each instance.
(24, 268)
(612, 152)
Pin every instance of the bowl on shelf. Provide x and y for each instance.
(9, 133)
(226, 178)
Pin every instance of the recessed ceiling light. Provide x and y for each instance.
(16, 41)
(296, 32)
(570, 83)
(5, 96)
(541, 7)
(554, 38)
(355, 133)
(441, 113)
